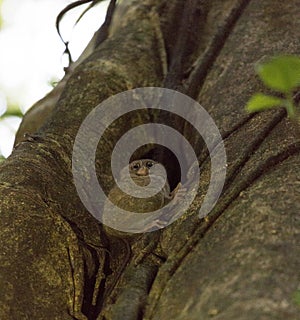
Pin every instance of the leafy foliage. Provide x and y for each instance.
(281, 74)
(12, 112)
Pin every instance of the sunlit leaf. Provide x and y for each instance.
(281, 73)
(259, 102)
(12, 111)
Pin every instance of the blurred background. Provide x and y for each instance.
(31, 54)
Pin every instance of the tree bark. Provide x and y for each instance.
(242, 261)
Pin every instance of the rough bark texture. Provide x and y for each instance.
(58, 262)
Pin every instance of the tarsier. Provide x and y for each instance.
(141, 171)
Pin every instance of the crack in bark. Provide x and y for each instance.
(204, 63)
(171, 265)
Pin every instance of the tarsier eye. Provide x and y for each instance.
(135, 166)
(149, 164)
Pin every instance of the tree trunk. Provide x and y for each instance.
(241, 261)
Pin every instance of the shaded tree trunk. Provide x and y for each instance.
(242, 261)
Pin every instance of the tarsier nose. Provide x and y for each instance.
(143, 171)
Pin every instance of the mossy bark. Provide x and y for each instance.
(58, 262)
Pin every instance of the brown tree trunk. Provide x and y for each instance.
(242, 261)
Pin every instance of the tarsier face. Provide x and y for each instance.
(142, 172)
(141, 167)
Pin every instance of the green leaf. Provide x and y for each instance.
(12, 112)
(281, 73)
(259, 102)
